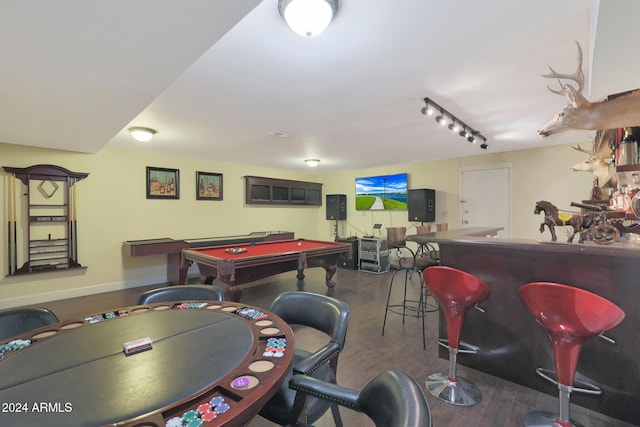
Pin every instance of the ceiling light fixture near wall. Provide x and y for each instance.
(308, 18)
(312, 163)
(456, 126)
(142, 134)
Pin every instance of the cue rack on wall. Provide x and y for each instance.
(41, 219)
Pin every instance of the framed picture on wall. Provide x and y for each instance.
(163, 183)
(208, 186)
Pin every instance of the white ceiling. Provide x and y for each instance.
(215, 77)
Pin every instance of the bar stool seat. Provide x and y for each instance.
(571, 316)
(456, 291)
(408, 262)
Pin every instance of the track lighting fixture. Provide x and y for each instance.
(456, 124)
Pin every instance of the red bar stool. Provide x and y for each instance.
(571, 316)
(456, 292)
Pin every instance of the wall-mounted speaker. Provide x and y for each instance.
(336, 206)
(422, 205)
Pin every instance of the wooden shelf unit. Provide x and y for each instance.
(50, 241)
(273, 191)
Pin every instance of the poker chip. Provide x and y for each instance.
(218, 400)
(196, 422)
(209, 416)
(204, 408)
(222, 408)
(18, 344)
(174, 422)
(240, 383)
(190, 415)
(187, 305)
(251, 313)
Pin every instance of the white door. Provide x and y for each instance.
(486, 198)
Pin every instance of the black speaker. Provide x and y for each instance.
(422, 205)
(336, 206)
(349, 261)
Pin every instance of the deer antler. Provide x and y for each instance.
(582, 150)
(577, 77)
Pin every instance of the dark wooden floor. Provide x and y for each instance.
(367, 352)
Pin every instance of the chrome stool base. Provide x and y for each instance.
(460, 392)
(545, 419)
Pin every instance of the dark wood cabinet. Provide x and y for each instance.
(273, 191)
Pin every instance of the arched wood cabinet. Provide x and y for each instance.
(41, 219)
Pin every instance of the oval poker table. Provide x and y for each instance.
(210, 364)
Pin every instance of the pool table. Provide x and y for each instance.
(235, 265)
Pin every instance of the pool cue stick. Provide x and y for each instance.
(15, 220)
(74, 230)
(8, 206)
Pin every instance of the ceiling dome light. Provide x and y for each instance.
(312, 163)
(142, 134)
(308, 18)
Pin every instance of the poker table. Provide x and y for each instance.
(210, 364)
(234, 265)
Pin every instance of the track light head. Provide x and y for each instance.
(472, 138)
(463, 132)
(484, 144)
(424, 110)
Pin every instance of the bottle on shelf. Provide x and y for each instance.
(628, 150)
(596, 192)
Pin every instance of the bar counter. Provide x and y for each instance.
(512, 344)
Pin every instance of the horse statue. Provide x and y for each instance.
(581, 223)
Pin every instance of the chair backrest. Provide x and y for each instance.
(394, 399)
(16, 321)
(397, 236)
(326, 314)
(182, 293)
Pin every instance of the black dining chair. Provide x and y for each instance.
(392, 399)
(182, 293)
(15, 321)
(321, 313)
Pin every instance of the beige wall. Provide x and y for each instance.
(112, 208)
(537, 174)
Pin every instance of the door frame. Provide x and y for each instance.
(507, 166)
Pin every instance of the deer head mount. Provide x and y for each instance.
(618, 112)
(600, 155)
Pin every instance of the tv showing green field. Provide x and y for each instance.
(384, 192)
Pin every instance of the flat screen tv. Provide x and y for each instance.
(384, 192)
